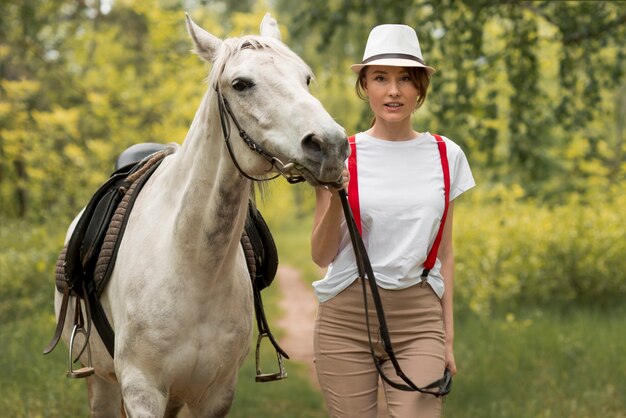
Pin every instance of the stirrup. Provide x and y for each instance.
(83, 371)
(268, 377)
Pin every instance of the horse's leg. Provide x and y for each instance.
(173, 408)
(105, 398)
(217, 400)
(142, 397)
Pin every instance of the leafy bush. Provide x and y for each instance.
(509, 249)
(512, 250)
(27, 260)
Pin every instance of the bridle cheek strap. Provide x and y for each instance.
(283, 169)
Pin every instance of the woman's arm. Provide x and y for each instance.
(446, 256)
(326, 234)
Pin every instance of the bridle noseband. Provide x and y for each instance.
(283, 169)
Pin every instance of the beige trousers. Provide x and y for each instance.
(345, 369)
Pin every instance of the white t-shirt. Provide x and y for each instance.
(401, 194)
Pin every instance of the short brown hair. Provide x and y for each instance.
(419, 77)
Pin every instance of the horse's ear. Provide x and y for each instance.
(269, 27)
(206, 45)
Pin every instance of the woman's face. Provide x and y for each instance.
(392, 95)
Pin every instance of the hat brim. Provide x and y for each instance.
(393, 62)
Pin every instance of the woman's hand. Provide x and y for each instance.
(450, 362)
(345, 179)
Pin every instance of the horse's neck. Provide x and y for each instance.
(212, 196)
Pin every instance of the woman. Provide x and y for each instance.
(401, 200)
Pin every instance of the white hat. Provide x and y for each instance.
(394, 45)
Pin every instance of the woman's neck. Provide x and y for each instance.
(400, 131)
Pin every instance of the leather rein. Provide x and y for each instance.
(437, 388)
(283, 169)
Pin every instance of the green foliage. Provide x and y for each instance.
(509, 250)
(33, 385)
(101, 83)
(517, 83)
(547, 363)
(513, 251)
(534, 92)
(28, 255)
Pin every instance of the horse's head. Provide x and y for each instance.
(264, 85)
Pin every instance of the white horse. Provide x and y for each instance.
(179, 298)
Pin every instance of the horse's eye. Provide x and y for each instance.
(241, 84)
(308, 80)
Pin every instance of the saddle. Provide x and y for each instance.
(86, 262)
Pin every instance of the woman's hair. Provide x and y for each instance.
(419, 77)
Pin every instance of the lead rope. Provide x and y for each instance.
(351, 208)
(364, 266)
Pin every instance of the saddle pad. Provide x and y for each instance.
(59, 275)
(109, 247)
(264, 249)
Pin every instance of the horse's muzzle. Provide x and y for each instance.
(325, 157)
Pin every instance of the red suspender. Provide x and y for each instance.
(353, 198)
(432, 255)
(353, 185)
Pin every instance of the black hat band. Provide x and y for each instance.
(392, 55)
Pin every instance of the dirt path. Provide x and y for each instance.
(299, 306)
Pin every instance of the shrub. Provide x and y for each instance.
(511, 250)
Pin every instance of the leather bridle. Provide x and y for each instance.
(283, 169)
(437, 388)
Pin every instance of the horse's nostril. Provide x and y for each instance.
(312, 146)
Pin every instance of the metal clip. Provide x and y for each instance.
(268, 377)
(83, 371)
(288, 167)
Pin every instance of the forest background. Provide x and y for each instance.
(533, 91)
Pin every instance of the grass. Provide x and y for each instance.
(540, 363)
(536, 362)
